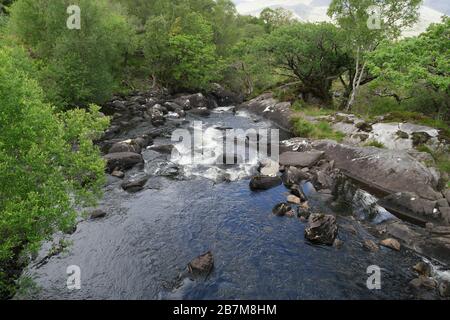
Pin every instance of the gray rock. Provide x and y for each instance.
(134, 185)
(442, 203)
(125, 146)
(409, 204)
(264, 182)
(444, 289)
(293, 176)
(164, 148)
(301, 159)
(322, 229)
(97, 214)
(122, 160)
(201, 112)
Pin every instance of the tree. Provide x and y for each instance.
(312, 53)
(274, 18)
(422, 60)
(77, 66)
(366, 23)
(48, 162)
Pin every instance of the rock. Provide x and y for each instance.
(423, 269)
(281, 209)
(445, 215)
(322, 229)
(298, 192)
(364, 126)
(134, 185)
(447, 195)
(391, 243)
(198, 100)
(300, 159)
(338, 244)
(163, 148)
(402, 134)
(97, 214)
(442, 203)
(118, 174)
(125, 146)
(202, 265)
(157, 116)
(420, 138)
(293, 199)
(371, 246)
(423, 282)
(293, 176)
(269, 168)
(264, 183)
(444, 289)
(388, 171)
(225, 97)
(122, 160)
(201, 112)
(172, 106)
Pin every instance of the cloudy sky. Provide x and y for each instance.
(316, 10)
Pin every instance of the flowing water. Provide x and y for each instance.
(145, 242)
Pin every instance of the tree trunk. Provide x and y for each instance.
(356, 81)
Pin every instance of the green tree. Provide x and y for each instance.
(48, 162)
(274, 18)
(366, 23)
(311, 53)
(76, 66)
(422, 60)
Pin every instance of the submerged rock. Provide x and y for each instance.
(264, 183)
(391, 243)
(322, 229)
(202, 265)
(281, 209)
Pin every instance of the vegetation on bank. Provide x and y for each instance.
(51, 77)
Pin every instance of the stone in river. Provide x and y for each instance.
(264, 182)
(322, 229)
(391, 243)
(202, 265)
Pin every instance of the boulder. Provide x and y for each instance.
(202, 265)
(225, 97)
(134, 185)
(125, 146)
(163, 148)
(297, 191)
(293, 176)
(387, 171)
(423, 269)
(197, 100)
(300, 159)
(118, 174)
(423, 282)
(293, 199)
(322, 229)
(264, 183)
(444, 289)
(391, 243)
(97, 214)
(122, 160)
(201, 112)
(281, 209)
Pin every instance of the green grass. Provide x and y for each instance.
(375, 144)
(321, 130)
(311, 110)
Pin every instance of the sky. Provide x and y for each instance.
(316, 10)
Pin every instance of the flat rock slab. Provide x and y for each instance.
(301, 159)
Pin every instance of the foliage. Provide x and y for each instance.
(48, 162)
(275, 18)
(375, 144)
(76, 66)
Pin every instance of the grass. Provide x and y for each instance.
(375, 144)
(320, 130)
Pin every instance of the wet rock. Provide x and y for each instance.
(125, 146)
(122, 160)
(293, 176)
(172, 106)
(371, 246)
(269, 168)
(297, 191)
(198, 100)
(423, 282)
(225, 97)
(163, 148)
(293, 199)
(423, 269)
(322, 229)
(409, 203)
(391, 243)
(134, 185)
(201, 112)
(281, 209)
(202, 265)
(444, 289)
(338, 244)
(118, 174)
(264, 183)
(300, 159)
(97, 214)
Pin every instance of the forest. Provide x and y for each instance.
(54, 79)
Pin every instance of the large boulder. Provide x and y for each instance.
(197, 100)
(300, 159)
(225, 97)
(322, 229)
(264, 182)
(388, 171)
(122, 160)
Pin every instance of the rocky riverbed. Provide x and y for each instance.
(306, 227)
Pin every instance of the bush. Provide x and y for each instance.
(48, 163)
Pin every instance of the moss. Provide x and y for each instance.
(375, 144)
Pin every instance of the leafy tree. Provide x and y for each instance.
(312, 53)
(274, 18)
(422, 60)
(77, 66)
(366, 23)
(48, 162)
